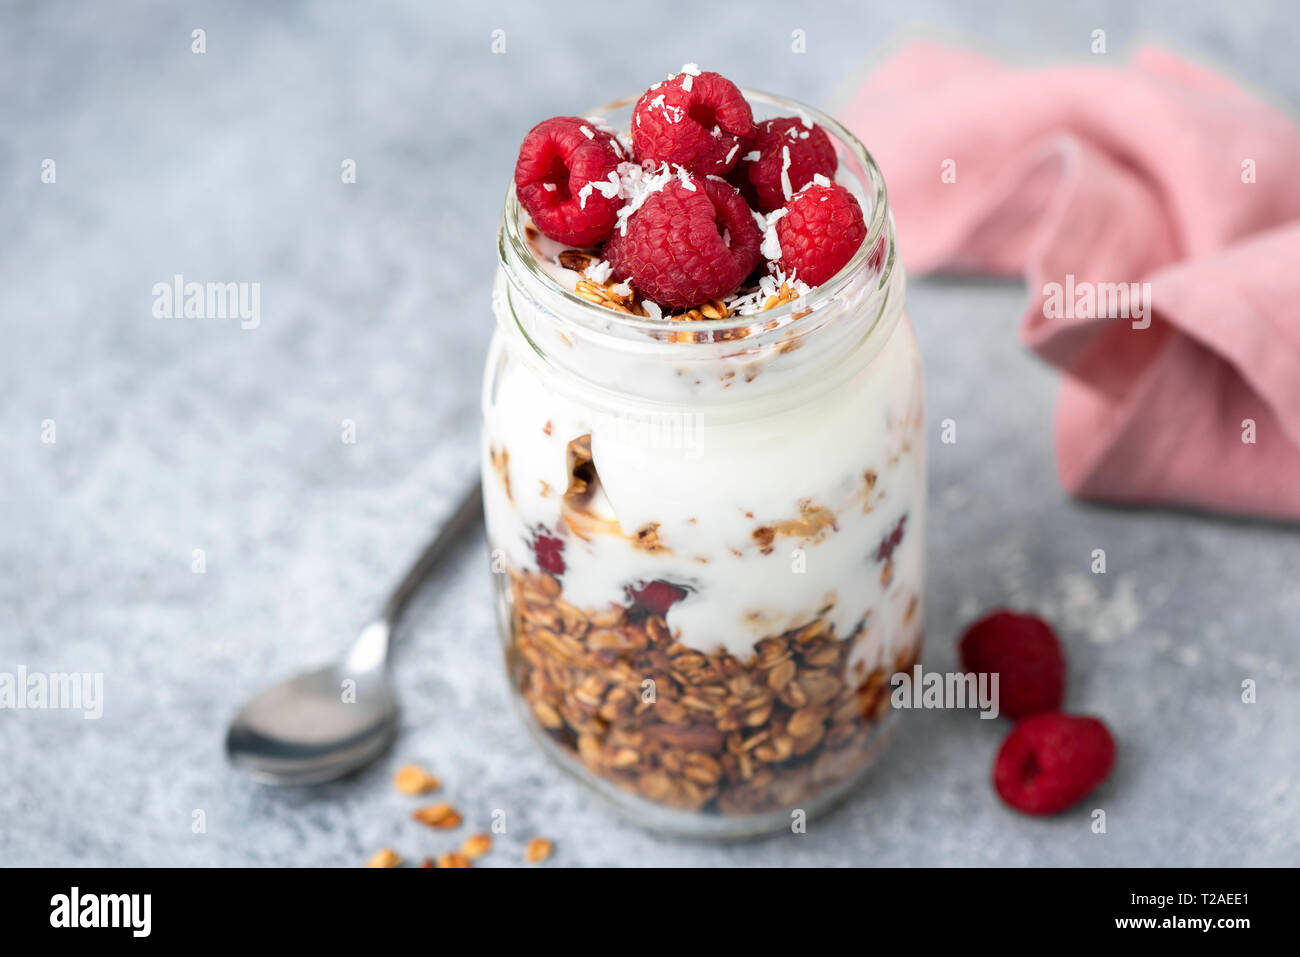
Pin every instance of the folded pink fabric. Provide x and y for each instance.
(1158, 171)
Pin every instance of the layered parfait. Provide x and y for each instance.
(703, 461)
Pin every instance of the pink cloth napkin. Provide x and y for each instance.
(1087, 175)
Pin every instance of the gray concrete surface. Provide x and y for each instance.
(183, 434)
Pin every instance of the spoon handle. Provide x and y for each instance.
(467, 512)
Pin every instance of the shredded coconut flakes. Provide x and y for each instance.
(599, 272)
(769, 284)
(636, 184)
(771, 248)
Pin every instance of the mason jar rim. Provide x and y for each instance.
(765, 321)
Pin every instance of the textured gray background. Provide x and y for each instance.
(183, 434)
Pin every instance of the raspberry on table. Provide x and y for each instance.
(820, 231)
(692, 241)
(1024, 651)
(780, 159)
(694, 120)
(1051, 761)
(562, 177)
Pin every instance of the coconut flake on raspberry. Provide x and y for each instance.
(673, 114)
(558, 158)
(693, 119)
(637, 184)
(689, 241)
(782, 158)
(687, 72)
(771, 248)
(608, 187)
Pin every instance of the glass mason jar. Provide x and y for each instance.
(708, 536)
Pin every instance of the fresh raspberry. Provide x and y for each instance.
(549, 551)
(1024, 652)
(692, 241)
(655, 597)
(560, 163)
(1052, 761)
(885, 550)
(821, 230)
(763, 180)
(695, 120)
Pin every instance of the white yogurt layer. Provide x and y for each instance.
(708, 480)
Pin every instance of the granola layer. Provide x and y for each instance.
(710, 733)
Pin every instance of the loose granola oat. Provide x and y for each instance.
(413, 779)
(441, 816)
(538, 850)
(787, 293)
(616, 296)
(713, 309)
(621, 297)
(386, 857)
(575, 260)
(476, 845)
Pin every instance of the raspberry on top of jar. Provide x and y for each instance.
(696, 212)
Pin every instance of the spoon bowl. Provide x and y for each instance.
(324, 724)
(317, 726)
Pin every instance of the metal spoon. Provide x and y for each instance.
(323, 724)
